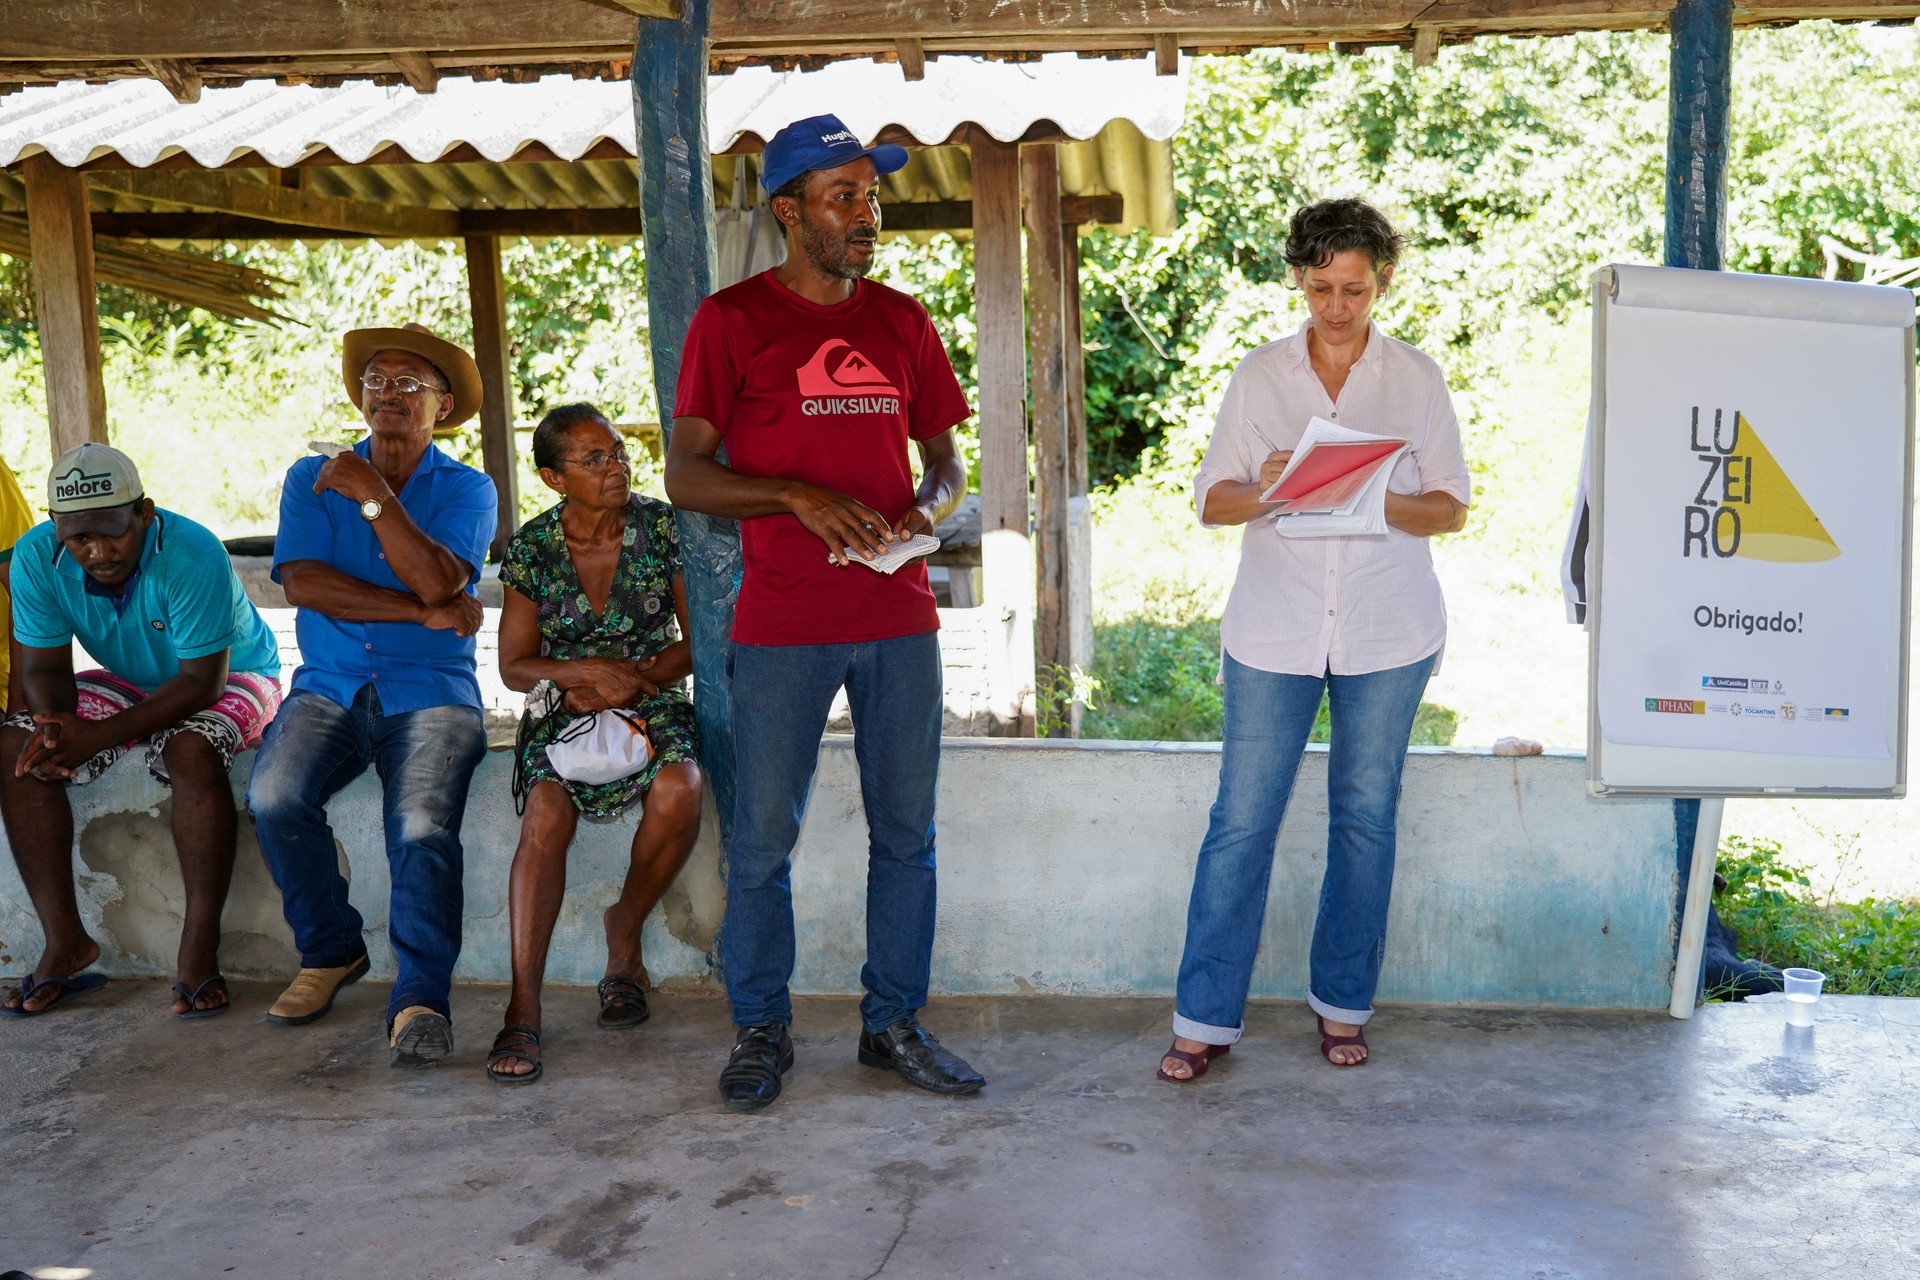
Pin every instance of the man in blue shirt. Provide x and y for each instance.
(190, 668)
(379, 549)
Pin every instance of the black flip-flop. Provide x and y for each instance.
(192, 998)
(71, 986)
(517, 1043)
(623, 1004)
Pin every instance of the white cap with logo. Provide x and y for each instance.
(92, 489)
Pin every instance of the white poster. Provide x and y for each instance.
(1754, 494)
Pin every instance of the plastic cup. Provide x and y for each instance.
(1803, 994)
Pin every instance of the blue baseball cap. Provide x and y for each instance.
(820, 142)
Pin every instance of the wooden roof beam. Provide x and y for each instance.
(644, 8)
(297, 41)
(912, 56)
(230, 193)
(418, 71)
(1166, 54)
(182, 79)
(1426, 45)
(945, 215)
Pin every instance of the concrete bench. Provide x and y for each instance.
(1065, 868)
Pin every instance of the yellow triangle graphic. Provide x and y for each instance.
(1776, 524)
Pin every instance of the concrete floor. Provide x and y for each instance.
(1480, 1144)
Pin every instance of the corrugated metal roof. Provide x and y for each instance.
(140, 122)
(1120, 114)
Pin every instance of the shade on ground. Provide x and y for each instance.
(1477, 1144)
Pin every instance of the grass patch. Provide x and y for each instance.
(1156, 681)
(1866, 948)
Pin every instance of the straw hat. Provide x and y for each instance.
(454, 364)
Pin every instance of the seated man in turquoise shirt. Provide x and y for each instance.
(190, 668)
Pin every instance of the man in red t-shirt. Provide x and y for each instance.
(814, 379)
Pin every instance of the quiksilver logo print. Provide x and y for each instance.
(839, 380)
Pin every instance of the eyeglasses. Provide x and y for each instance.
(404, 384)
(599, 460)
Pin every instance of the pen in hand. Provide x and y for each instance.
(1280, 506)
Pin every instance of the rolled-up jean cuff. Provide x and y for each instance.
(1188, 1029)
(1353, 1017)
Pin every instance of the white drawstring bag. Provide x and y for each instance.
(595, 748)
(601, 747)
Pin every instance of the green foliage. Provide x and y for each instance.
(1158, 680)
(938, 270)
(1871, 947)
(1514, 167)
(122, 312)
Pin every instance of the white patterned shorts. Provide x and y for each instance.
(232, 724)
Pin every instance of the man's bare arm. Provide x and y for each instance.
(429, 570)
(699, 481)
(316, 585)
(943, 482)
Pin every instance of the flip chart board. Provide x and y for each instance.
(1751, 474)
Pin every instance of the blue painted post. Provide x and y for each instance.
(1699, 101)
(676, 214)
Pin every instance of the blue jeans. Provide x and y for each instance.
(425, 760)
(1268, 719)
(781, 696)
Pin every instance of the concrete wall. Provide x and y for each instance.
(1064, 869)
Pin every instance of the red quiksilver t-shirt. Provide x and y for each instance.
(829, 395)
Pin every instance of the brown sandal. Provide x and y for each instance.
(1198, 1059)
(1329, 1042)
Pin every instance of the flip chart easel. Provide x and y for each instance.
(1751, 491)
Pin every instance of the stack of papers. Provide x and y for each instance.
(1335, 483)
(897, 553)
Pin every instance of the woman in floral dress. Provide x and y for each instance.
(595, 618)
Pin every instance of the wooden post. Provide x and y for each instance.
(60, 237)
(1006, 545)
(1046, 332)
(487, 295)
(1079, 508)
(676, 213)
(1075, 347)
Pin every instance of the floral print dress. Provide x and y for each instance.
(637, 623)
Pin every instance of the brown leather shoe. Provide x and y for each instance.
(309, 996)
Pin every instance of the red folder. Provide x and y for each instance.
(1328, 462)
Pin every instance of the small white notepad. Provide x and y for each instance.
(897, 553)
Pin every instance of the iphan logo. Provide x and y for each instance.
(1745, 505)
(1676, 706)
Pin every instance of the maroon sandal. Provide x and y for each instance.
(1330, 1042)
(1198, 1059)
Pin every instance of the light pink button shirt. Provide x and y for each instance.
(1346, 605)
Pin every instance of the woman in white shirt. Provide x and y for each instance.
(1358, 616)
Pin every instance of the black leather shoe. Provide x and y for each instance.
(751, 1078)
(910, 1049)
